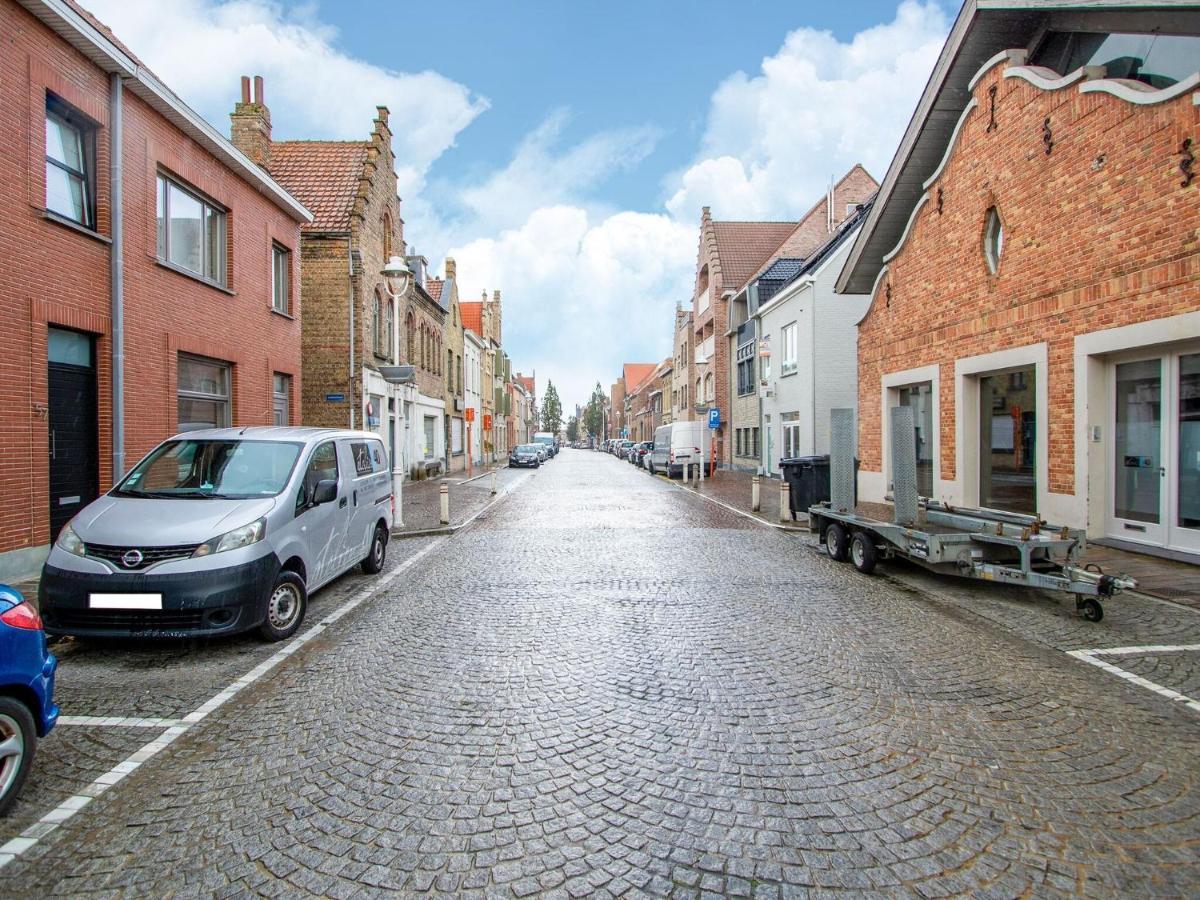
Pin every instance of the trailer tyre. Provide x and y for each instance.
(862, 553)
(1092, 610)
(836, 542)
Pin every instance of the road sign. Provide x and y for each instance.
(469, 414)
(487, 422)
(335, 398)
(714, 418)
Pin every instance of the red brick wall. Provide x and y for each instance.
(1097, 234)
(51, 274)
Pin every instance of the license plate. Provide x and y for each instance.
(125, 601)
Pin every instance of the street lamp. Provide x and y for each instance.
(397, 278)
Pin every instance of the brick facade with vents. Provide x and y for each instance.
(1101, 253)
(56, 275)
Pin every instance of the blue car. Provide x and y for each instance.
(27, 707)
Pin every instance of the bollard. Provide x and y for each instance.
(445, 492)
(493, 482)
(755, 494)
(785, 511)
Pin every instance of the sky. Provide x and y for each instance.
(560, 151)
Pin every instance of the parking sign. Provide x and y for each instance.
(714, 418)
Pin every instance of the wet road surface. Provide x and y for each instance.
(607, 685)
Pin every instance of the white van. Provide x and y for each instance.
(679, 444)
(219, 531)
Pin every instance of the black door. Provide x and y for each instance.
(74, 444)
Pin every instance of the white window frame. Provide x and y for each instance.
(226, 398)
(789, 338)
(212, 271)
(65, 116)
(281, 277)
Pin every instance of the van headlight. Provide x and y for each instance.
(234, 540)
(71, 542)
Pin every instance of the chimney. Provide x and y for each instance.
(419, 265)
(451, 271)
(250, 124)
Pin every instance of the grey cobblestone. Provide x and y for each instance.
(606, 686)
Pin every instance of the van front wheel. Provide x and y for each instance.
(285, 607)
(373, 564)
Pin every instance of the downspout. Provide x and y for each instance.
(352, 400)
(813, 354)
(117, 266)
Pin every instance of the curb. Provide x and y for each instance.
(451, 529)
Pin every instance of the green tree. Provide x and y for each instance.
(572, 429)
(593, 414)
(551, 409)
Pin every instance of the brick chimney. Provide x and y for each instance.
(250, 124)
(450, 268)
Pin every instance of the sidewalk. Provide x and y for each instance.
(734, 488)
(420, 512)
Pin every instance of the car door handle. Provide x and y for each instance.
(342, 503)
(356, 498)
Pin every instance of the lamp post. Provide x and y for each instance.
(397, 279)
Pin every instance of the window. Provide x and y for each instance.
(387, 237)
(459, 368)
(361, 454)
(281, 280)
(766, 358)
(993, 240)
(789, 364)
(1159, 60)
(702, 291)
(191, 231)
(70, 163)
(790, 423)
(430, 428)
(745, 369)
(450, 371)
(709, 395)
(203, 393)
(920, 398)
(756, 450)
(281, 404)
(410, 332)
(1007, 430)
(322, 466)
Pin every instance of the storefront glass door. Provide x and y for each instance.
(1155, 462)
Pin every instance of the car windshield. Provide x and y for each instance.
(527, 448)
(202, 469)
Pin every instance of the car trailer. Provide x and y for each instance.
(973, 543)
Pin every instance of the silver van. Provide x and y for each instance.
(221, 530)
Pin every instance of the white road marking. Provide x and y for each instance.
(119, 721)
(53, 820)
(1090, 657)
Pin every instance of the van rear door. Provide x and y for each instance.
(370, 491)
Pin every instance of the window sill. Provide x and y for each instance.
(789, 374)
(282, 315)
(200, 279)
(75, 226)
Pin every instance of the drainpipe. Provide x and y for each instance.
(350, 398)
(117, 286)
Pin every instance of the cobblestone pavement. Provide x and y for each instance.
(608, 686)
(422, 505)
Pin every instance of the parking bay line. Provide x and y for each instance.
(1090, 657)
(53, 820)
(119, 721)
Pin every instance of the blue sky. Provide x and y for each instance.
(561, 151)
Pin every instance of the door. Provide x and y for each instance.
(74, 449)
(366, 468)
(1154, 483)
(319, 525)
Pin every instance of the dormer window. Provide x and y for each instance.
(993, 240)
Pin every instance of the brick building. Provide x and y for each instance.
(729, 253)
(483, 317)
(621, 424)
(353, 328)
(645, 404)
(815, 228)
(120, 325)
(1034, 263)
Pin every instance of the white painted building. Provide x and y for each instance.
(808, 350)
(473, 349)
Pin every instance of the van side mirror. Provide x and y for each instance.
(325, 491)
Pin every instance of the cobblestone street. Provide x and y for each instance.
(606, 685)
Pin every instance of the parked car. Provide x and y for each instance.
(637, 451)
(220, 531)
(677, 445)
(623, 449)
(546, 439)
(27, 707)
(644, 450)
(527, 456)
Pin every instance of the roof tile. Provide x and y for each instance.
(323, 175)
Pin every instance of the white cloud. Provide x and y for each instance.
(817, 107)
(580, 294)
(201, 47)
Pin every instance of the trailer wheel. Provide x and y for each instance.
(862, 553)
(1092, 610)
(835, 542)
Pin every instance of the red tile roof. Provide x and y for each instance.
(472, 316)
(744, 246)
(323, 175)
(636, 373)
(527, 382)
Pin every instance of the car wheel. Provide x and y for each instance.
(373, 564)
(18, 743)
(285, 607)
(836, 542)
(862, 552)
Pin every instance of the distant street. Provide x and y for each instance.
(607, 686)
